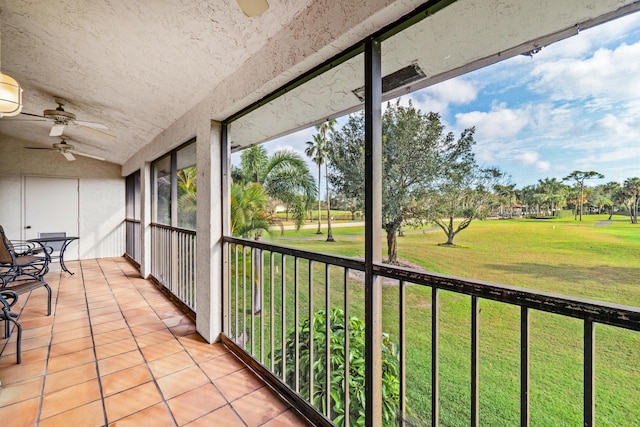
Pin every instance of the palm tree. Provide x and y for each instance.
(552, 192)
(249, 217)
(321, 146)
(632, 189)
(253, 162)
(187, 197)
(316, 150)
(287, 178)
(284, 176)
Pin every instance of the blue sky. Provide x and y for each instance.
(574, 105)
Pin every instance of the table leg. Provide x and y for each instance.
(62, 249)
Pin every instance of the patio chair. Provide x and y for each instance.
(22, 260)
(7, 300)
(22, 272)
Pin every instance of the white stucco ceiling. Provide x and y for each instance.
(138, 66)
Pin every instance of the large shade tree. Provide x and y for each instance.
(415, 151)
(580, 177)
(461, 189)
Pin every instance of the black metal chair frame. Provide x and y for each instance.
(22, 270)
(22, 260)
(8, 299)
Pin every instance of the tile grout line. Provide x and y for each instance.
(54, 309)
(228, 403)
(146, 363)
(95, 355)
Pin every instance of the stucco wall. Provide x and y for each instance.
(101, 195)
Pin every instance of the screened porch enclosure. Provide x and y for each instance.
(283, 304)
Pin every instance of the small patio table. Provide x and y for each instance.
(65, 242)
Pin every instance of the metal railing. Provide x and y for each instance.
(274, 290)
(173, 261)
(133, 239)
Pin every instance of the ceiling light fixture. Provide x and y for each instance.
(253, 8)
(10, 94)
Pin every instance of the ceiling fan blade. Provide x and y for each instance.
(33, 115)
(67, 155)
(87, 155)
(57, 130)
(96, 131)
(40, 148)
(253, 7)
(90, 124)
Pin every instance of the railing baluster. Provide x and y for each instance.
(347, 350)
(237, 274)
(272, 332)
(475, 361)
(295, 326)
(327, 340)
(589, 373)
(262, 311)
(435, 349)
(403, 349)
(524, 367)
(296, 332)
(252, 251)
(244, 298)
(311, 333)
(283, 332)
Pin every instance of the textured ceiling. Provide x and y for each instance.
(135, 66)
(140, 66)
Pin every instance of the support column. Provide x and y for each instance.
(146, 188)
(209, 233)
(373, 227)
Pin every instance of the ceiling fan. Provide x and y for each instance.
(61, 119)
(67, 150)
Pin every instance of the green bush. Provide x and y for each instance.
(390, 368)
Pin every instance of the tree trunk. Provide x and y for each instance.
(319, 208)
(329, 233)
(450, 233)
(581, 200)
(392, 246)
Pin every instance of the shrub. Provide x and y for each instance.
(390, 368)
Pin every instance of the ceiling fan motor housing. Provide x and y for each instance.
(63, 146)
(59, 115)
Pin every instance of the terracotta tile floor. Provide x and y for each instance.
(117, 352)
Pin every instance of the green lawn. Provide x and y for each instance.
(563, 256)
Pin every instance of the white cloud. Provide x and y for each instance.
(499, 122)
(584, 42)
(438, 98)
(531, 158)
(608, 74)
